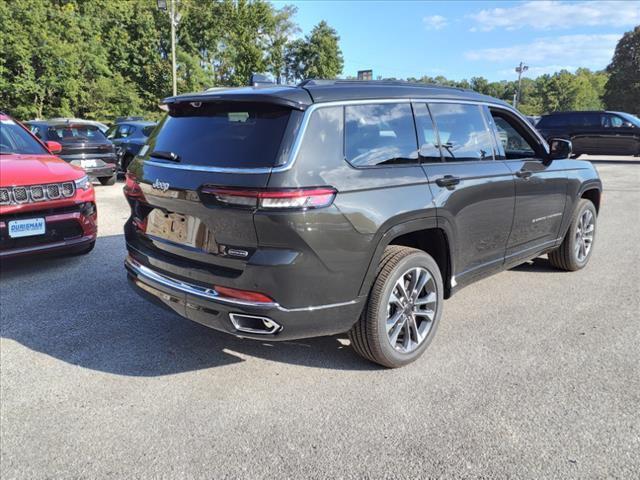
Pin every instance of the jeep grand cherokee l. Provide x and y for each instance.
(45, 203)
(288, 212)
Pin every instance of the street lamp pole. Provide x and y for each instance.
(520, 69)
(174, 19)
(172, 15)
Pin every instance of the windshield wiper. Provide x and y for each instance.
(173, 157)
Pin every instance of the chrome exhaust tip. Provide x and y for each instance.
(253, 324)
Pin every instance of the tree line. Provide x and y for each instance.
(100, 59)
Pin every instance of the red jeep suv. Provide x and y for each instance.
(45, 203)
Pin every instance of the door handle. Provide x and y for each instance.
(448, 181)
(524, 174)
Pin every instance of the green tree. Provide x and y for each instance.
(622, 91)
(317, 56)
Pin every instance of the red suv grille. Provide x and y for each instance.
(36, 193)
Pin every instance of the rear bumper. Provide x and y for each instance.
(210, 309)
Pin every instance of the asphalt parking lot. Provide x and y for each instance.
(533, 373)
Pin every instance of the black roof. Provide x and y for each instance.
(321, 91)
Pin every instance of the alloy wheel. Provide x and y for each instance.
(584, 235)
(411, 309)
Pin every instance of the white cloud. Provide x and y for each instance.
(435, 22)
(590, 51)
(547, 14)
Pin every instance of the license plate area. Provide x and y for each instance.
(27, 227)
(185, 230)
(88, 163)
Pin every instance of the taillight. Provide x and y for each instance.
(302, 198)
(132, 187)
(243, 294)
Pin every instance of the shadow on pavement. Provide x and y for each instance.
(539, 265)
(81, 310)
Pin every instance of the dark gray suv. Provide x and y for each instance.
(278, 212)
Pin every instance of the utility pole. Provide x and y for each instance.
(174, 18)
(520, 69)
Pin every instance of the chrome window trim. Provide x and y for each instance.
(339, 103)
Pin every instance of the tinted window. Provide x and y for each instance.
(585, 119)
(15, 139)
(75, 133)
(463, 132)
(146, 131)
(553, 121)
(611, 121)
(223, 135)
(427, 136)
(380, 134)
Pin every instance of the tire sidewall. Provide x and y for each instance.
(392, 356)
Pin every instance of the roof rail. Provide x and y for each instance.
(339, 81)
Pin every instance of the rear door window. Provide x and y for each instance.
(380, 134)
(227, 135)
(463, 132)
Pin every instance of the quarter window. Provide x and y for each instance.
(464, 134)
(380, 134)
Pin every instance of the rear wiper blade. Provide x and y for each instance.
(171, 156)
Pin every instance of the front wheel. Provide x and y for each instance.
(403, 309)
(575, 250)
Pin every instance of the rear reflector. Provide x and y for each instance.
(302, 198)
(242, 294)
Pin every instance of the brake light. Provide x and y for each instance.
(243, 294)
(302, 198)
(132, 187)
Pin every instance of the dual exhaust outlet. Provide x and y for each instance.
(254, 324)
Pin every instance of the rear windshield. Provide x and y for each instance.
(15, 139)
(75, 133)
(230, 135)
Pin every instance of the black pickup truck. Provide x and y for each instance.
(280, 212)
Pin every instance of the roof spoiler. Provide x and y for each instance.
(234, 98)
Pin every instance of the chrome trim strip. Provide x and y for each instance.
(211, 295)
(305, 123)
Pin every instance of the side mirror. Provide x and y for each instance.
(559, 148)
(627, 125)
(54, 147)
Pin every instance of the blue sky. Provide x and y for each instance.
(461, 39)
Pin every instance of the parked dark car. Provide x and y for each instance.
(83, 145)
(279, 213)
(594, 133)
(129, 136)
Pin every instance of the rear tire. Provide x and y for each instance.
(126, 160)
(575, 250)
(108, 181)
(403, 309)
